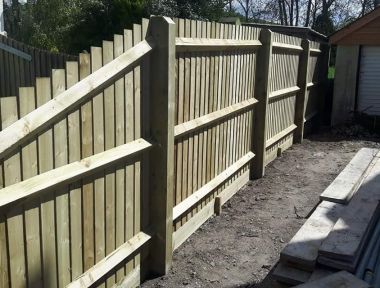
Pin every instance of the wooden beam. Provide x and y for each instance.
(69, 173)
(206, 120)
(49, 113)
(302, 249)
(284, 46)
(338, 279)
(310, 85)
(203, 44)
(280, 93)
(315, 50)
(302, 81)
(348, 181)
(280, 135)
(263, 78)
(110, 262)
(211, 186)
(161, 165)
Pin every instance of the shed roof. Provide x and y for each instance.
(364, 31)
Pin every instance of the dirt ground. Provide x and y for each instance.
(241, 247)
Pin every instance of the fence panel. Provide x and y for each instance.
(79, 194)
(212, 78)
(283, 92)
(67, 230)
(22, 64)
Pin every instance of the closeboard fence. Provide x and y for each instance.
(113, 162)
(21, 64)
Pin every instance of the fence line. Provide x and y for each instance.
(81, 194)
(21, 64)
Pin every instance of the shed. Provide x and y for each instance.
(357, 69)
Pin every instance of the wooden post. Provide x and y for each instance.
(299, 118)
(161, 164)
(263, 68)
(323, 88)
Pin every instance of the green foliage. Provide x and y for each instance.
(324, 24)
(72, 26)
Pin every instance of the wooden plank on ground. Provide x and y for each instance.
(348, 236)
(339, 279)
(290, 275)
(302, 250)
(348, 181)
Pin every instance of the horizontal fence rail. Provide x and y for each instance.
(94, 83)
(70, 173)
(110, 164)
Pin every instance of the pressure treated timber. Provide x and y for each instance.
(310, 116)
(294, 276)
(348, 181)
(315, 50)
(133, 279)
(339, 279)
(203, 44)
(206, 120)
(278, 45)
(56, 108)
(161, 160)
(290, 275)
(70, 172)
(280, 135)
(197, 196)
(192, 225)
(310, 84)
(280, 93)
(110, 262)
(262, 88)
(345, 242)
(233, 188)
(302, 249)
(303, 72)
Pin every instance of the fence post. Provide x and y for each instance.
(263, 69)
(161, 164)
(299, 117)
(324, 86)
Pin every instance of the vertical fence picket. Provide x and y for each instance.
(88, 185)
(99, 178)
(119, 140)
(32, 211)
(137, 134)
(74, 141)
(61, 195)
(109, 142)
(129, 134)
(15, 222)
(46, 163)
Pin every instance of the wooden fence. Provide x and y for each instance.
(20, 64)
(113, 162)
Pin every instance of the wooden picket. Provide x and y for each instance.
(79, 192)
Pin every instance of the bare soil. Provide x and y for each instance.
(241, 247)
